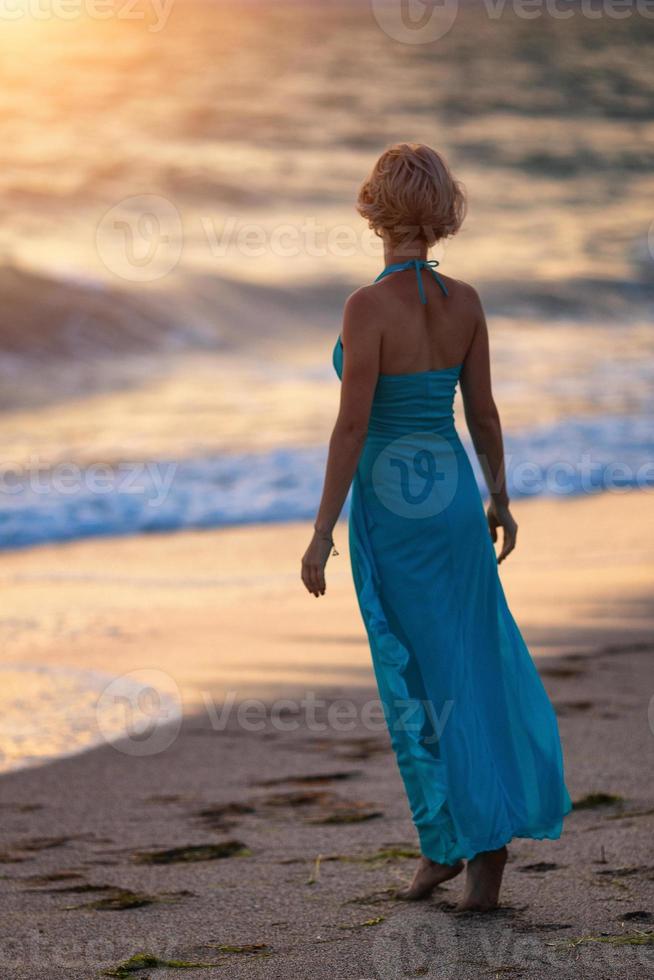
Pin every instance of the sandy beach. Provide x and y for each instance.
(268, 844)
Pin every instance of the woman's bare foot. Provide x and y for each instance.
(483, 881)
(429, 874)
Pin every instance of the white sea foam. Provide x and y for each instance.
(570, 457)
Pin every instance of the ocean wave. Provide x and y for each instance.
(567, 458)
(72, 318)
(586, 300)
(76, 319)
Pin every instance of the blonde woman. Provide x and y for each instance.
(473, 730)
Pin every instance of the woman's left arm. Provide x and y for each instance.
(361, 353)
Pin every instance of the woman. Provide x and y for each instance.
(474, 732)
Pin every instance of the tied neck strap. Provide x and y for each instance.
(416, 264)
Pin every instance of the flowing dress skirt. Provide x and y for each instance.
(474, 732)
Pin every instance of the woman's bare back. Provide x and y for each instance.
(423, 337)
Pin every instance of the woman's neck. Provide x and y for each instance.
(396, 254)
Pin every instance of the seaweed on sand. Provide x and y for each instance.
(148, 961)
(592, 800)
(193, 852)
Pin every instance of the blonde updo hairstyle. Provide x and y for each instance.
(411, 196)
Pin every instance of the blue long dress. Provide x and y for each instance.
(472, 727)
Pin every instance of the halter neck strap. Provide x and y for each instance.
(416, 264)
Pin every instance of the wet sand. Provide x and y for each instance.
(299, 813)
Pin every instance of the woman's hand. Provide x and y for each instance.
(313, 564)
(499, 515)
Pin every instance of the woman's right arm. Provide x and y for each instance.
(483, 421)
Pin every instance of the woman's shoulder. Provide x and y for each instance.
(465, 292)
(364, 299)
(364, 307)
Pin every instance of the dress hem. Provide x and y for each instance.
(470, 849)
